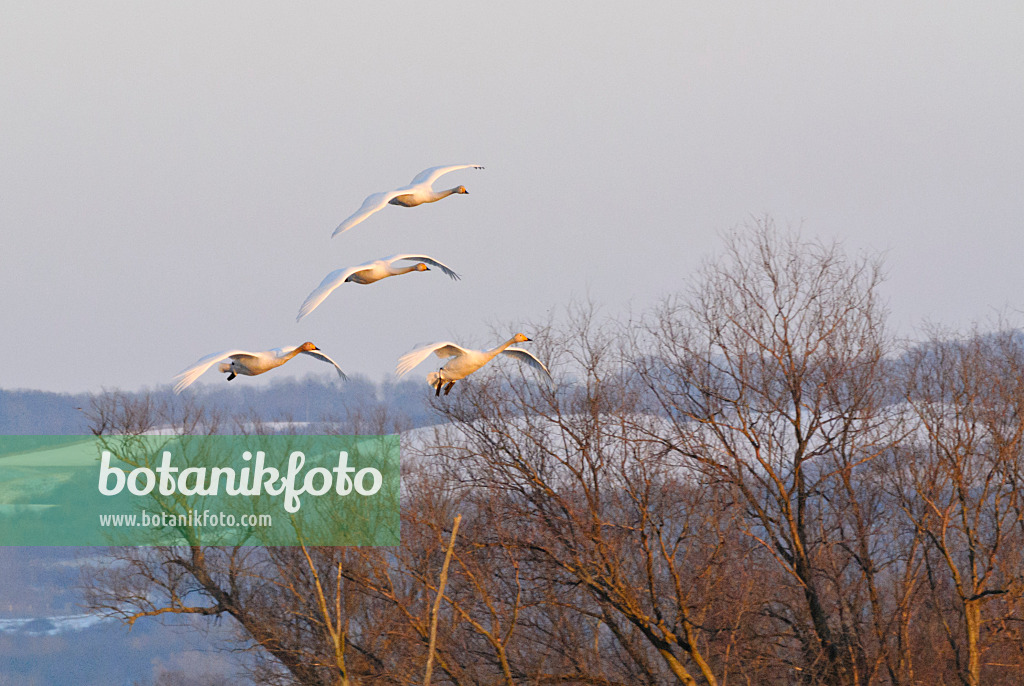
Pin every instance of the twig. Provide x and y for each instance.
(437, 601)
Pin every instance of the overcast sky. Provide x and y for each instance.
(170, 173)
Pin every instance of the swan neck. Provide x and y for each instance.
(501, 348)
(447, 192)
(395, 271)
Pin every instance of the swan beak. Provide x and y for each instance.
(529, 340)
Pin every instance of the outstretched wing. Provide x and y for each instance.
(424, 258)
(320, 293)
(189, 375)
(409, 360)
(528, 357)
(375, 202)
(318, 354)
(429, 176)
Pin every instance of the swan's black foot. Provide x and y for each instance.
(231, 376)
(437, 388)
(448, 388)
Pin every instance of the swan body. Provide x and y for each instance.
(367, 273)
(418, 191)
(245, 363)
(464, 361)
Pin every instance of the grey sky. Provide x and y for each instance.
(170, 173)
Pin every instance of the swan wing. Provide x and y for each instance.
(189, 375)
(409, 360)
(529, 358)
(320, 293)
(424, 258)
(373, 203)
(429, 176)
(319, 354)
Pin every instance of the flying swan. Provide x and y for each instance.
(417, 192)
(249, 364)
(464, 362)
(368, 273)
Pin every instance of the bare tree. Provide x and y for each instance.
(294, 608)
(958, 482)
(772, 372)
(571, 484)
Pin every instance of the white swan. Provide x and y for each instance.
(416, 193)
(464, 362)
(249, 364)
(368, 273)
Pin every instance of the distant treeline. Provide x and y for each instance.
(38, 412)
(312, 399)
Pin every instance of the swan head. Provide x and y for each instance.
(307, 346)
(520, 338)
(422, 267)
(462, 190)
